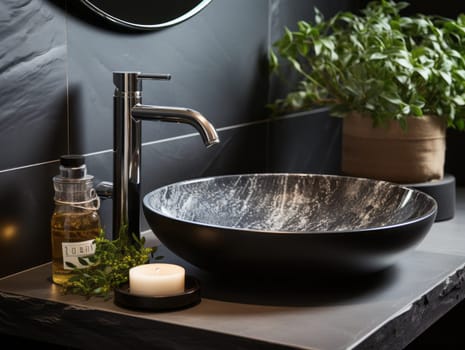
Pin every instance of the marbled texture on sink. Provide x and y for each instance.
(291, 203)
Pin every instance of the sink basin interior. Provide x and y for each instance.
(290, 203)
(264, 220)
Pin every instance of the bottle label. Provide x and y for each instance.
(72, 251)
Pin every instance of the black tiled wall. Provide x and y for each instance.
(56, 63)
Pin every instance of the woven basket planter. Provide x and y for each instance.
(392, 154)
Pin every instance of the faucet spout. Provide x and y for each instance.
(178, 115)
(128, 114)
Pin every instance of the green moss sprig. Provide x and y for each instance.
(109, 266)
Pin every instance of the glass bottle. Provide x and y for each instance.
(75, 221)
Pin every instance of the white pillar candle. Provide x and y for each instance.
(156, 279)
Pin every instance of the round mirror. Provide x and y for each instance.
(146, 14)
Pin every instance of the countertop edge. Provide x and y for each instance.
(419, 315)
(90, 328)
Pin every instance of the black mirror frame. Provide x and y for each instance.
(202, 4)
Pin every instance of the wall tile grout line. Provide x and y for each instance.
(68, 124)
(175, 138)
(29, 166)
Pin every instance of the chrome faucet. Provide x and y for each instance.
(128, 113)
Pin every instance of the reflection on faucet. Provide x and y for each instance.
(128, 114)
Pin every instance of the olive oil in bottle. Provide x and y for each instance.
(75, 221)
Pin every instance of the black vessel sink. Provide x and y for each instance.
(286, 223)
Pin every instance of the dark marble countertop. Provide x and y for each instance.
(383, 311)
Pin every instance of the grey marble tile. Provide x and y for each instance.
(26, 205)
(33, 120)
(307, 142)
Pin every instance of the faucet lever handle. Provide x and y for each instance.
(132, 81)
(154, 76)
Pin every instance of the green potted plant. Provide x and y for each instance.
(397, 81)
